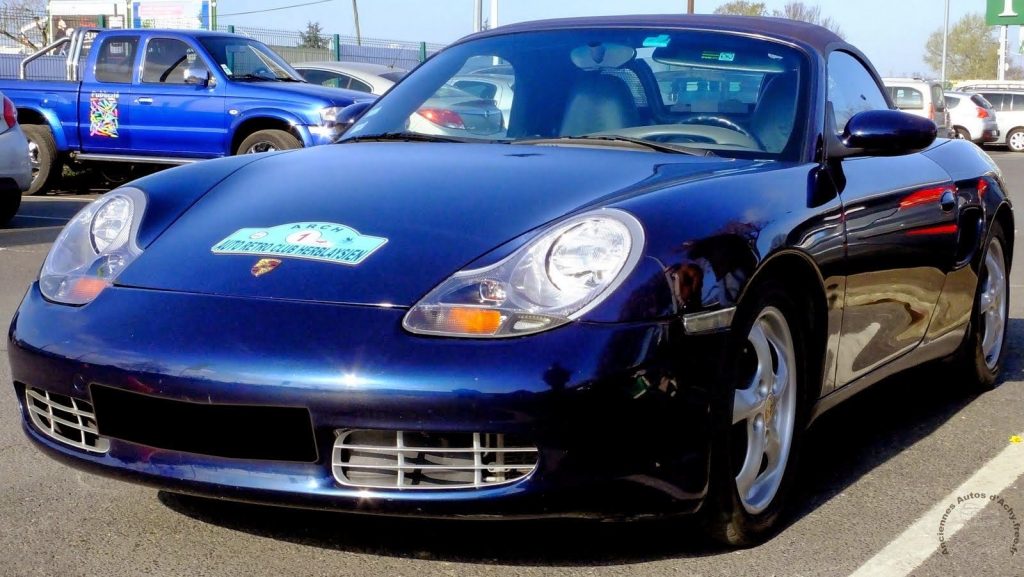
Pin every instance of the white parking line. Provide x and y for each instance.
(921, 540)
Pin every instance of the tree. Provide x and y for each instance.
(812, 14)
(313, 37)
(24, 21)
(972, 51)
(743, 8)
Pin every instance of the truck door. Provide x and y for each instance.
(170, 117)
(104, 118)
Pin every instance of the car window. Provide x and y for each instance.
(354, 84)
(116, 58)
(166, 61)
(394, 76)
(940, 103)
(247, 60)
(851, 89)
(1017, 104)
(907, 98)
(739, 96)
(995, 98)
(980, 101)
(952, 101)
(324, 78)
(484, 90)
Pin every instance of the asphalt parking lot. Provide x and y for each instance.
(878, 475)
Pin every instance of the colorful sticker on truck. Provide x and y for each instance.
(103, 120)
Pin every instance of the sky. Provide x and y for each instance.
(891, 32)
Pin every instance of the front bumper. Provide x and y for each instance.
(619, 412)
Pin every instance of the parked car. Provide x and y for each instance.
(923, 98)
(168, 97)
(612, 309)
(361, 76)
(1007, 99)
(972, 117)
(15, 166)
(499, 88)
(453, 112)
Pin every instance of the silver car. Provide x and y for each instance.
(15, 165)
(1007, 100)
(972, 117)
(361, 76)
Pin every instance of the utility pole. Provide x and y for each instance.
(1004, 38)
(945, 44)
(478, 15)
(689, 7)
(355, 16)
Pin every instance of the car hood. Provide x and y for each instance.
(332, 96)
(384, 223)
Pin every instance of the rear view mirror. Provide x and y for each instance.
(351, 113)
(198, 75)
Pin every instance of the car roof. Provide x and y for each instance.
(793, 31)
(366, 67)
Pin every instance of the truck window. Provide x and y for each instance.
(166, 61)
(115, 59)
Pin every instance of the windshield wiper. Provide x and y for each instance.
(612, 139)
(257, 77)
(401, 137)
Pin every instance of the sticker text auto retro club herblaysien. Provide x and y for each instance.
(321, 241)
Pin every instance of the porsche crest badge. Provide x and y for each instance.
(264, 265)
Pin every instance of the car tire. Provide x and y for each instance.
(979, 360)
(268, 141)
(46, 165)
(1015, 140)
(961, 133)
(760, 420)
(9, 204)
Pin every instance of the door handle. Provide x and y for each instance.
(948, 201)
(144, 100)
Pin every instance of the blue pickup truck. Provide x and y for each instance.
(165, 97)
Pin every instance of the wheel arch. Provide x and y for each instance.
(244, 127)
(1004, 216)
(48, 119)
(796, 270)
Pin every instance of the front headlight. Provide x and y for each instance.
(329, 115)
(560, 275)
(94, 247)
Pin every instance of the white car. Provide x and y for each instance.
(497, 87)
(972, 117)
(16, 170)
(922, 98)
(1007, 100)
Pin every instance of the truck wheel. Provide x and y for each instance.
(9, 204)
(42, 152)
(268, 141)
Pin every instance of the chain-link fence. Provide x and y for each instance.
(24, 32)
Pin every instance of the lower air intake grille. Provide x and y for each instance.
(66, 419)
(418, 460)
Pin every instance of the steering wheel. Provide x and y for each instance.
(715, 120)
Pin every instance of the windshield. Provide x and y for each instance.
(730, 94)
(244, 59)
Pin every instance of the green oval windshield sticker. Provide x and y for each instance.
(321, 241)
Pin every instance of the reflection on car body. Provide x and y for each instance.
(617, 301)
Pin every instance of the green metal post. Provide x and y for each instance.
(102, 21)
(231, 28)
(423, 51)
(337, 47)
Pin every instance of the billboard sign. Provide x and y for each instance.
(190, 14)
(1004, 12)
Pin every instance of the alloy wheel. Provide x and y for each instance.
(992, 303)
(766, 408)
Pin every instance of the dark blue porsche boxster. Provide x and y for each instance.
(689, 238)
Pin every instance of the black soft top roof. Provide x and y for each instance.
(811, 35)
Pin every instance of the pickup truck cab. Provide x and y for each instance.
(167, 97)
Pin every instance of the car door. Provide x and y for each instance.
(899, 215)
(105, 121)
(170, 117)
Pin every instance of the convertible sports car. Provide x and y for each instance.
(697, 235)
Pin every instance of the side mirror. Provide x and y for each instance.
(198, 75)
(883, 132)
(351, 113)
